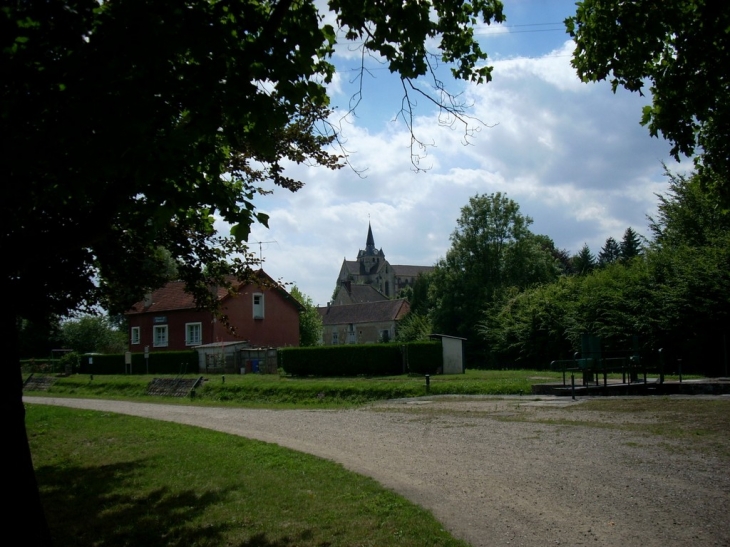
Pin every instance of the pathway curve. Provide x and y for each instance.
(499, 471)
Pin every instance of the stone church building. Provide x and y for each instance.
(371, 278)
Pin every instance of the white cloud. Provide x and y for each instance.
(572, 155)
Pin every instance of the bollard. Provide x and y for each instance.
(572, 385)
(428, 382)
(223, 377)
(91, 377)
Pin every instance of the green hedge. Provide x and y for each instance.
(164, 362)
(361, 360)
(424, 357)
(350, 360)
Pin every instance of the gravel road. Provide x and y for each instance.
(501, 471)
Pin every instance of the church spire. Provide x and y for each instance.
(370, 243)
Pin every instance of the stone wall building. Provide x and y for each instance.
(371, 278)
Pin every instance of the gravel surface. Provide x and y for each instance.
(501, 471)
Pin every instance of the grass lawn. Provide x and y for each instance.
(287, 392)
(283, 391)
(114, 480)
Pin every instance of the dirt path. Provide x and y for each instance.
(500, 471)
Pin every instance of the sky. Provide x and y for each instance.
(573, 155)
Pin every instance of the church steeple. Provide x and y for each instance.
(370, 243)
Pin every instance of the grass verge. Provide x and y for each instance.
(112, 480)
(282, 391)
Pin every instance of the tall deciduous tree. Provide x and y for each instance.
(93, 333)
(492, 249)
(130, 126)
(688, 214)
(310, 322)
(682, 48)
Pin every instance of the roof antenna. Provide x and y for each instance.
(261, 256)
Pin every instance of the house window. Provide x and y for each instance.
(351, 337)
(193, 332)
(385, 336)
(159, 336)
(135, 335)
(335, 338)
(258, 306)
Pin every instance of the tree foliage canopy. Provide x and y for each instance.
(682, 47)
(130, 126)
(675, 295)
(93, 333)
(310, 322)
(492, 250)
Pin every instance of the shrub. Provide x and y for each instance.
(362, 359)
(167, 362)
(424, 357)
(349, 360)
(69, 362)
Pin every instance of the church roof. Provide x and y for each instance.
(364, 293)
(352, 266)
(410, 271)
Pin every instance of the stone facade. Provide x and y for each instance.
(373, 270)
(362, 323)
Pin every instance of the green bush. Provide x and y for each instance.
(424, 357)
(167, 362)
(69, 362)
(362, 360)
(349, 360)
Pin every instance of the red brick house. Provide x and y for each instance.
(264, 315)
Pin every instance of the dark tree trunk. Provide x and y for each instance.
(23, 503)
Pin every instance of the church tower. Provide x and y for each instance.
(370, 259)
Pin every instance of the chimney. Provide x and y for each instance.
(147, 300)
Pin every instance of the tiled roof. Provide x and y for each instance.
(173, 296)
(365, 293)
(410, 271)
(170, 297)
(353, 266)
(367, 312)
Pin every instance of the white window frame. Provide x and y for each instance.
(190, 327)
(258, 308)
(335, 338)
(351, 334)
(134, 336)
(159, 341)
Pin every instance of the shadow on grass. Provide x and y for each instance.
(98, 506)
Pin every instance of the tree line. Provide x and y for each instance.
(520, 301)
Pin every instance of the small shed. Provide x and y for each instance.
(220, 357)
(453, 353)
(235, 358)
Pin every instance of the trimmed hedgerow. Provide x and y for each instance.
(362, 360)
(424, 357)
(349, 360)
(164, 362)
